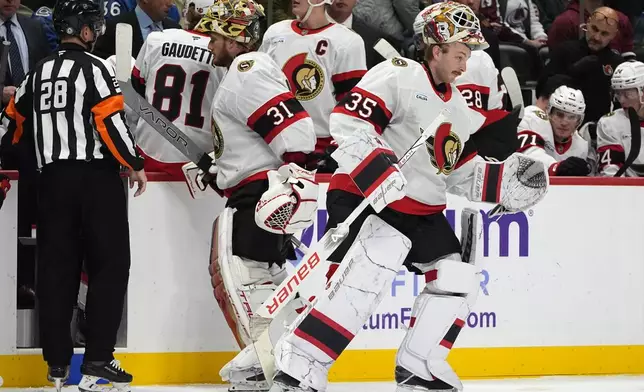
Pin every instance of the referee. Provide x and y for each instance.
(72, 107)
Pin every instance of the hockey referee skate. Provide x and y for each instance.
(58, 375)
(111, 372)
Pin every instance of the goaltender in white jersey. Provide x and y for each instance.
(322, 61)
(254, 131)
(259, 129)
(173, 71)
(374, 126)
(614, 138)
(548, 132)
(479, 85)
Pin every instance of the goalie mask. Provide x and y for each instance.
(234, 19)
(448, 22)
(290, 202)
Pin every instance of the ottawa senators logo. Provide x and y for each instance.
(542, 115)
(305, 77)
(245, 65)
(444, 149)
(218, 139)
(398, 62)
(608, 69)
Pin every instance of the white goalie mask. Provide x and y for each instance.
(290, 202)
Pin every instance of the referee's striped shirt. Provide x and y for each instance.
(74, 106)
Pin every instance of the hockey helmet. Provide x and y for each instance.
(71, 15)
(234, 19)
(444, 23)
(629, 75)
(568, 100)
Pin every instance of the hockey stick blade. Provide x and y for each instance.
(513, 88)
(385, 49)
(313, 264)
(123, 51)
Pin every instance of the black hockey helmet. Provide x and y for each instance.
(71, 15)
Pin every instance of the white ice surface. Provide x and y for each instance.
(549, 384)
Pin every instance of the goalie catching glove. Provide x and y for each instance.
(290, 202)
(517, 183)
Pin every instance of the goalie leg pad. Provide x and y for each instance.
(438, 316)
(240, 285)
(436, 322)
(317, 337)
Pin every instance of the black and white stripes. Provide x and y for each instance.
(72, 106)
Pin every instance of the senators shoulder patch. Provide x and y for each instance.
(398, 62)
(245, 65)
(541, 114)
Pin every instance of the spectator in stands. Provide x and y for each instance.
(549, 10)
(517, 24)
(341, 11)
(590, 62)
(146, 17)
(192, 16)
(631, 8)
(566, 26)
(44, 16)
(394, 18)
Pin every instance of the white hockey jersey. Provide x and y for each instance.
(479, 85)
(536, 139)
(395, 99)
(255, 120)
(614, 145)
(173, 71)
(321, 65)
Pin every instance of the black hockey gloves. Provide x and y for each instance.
(573, 166)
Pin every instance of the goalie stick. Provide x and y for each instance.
(149, 113)
(312, 264)
(513, 88)
(385, 49)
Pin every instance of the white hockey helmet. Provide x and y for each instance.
(568, 100)
(447, 22)
(629, 75)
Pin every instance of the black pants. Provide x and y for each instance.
(82, 210)
(431, 235)
(250, 240)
